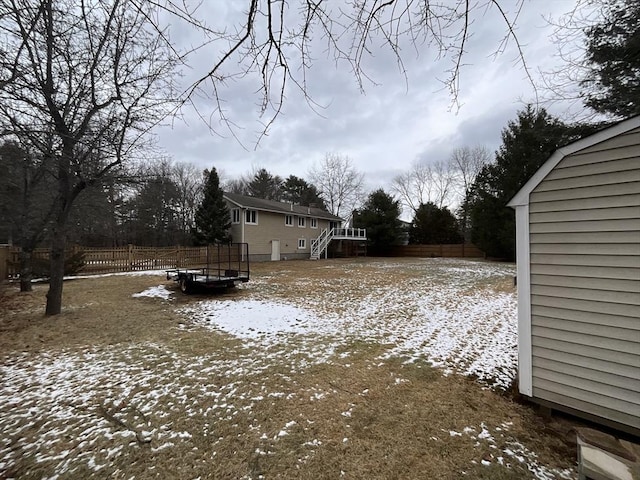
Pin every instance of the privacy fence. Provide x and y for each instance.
(461, 250)
(132, 258)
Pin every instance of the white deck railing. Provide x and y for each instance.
(320, 244)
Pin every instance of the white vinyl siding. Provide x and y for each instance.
(584, 222)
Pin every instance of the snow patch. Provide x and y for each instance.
(155, 292)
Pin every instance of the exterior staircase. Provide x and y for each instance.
(319, 245)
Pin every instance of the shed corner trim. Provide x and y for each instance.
(525, 370)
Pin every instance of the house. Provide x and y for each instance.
(578, 254)
(277, 230)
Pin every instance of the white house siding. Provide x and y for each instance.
(584, 223)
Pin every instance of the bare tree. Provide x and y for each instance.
(81, 83)
(468, 161)
(236, 185)
(443, 176)
(190, 183)
(569, 85)
(438, 181)
(414, 187)
(340, 184)
(425, 182)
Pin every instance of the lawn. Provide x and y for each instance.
(357, 368)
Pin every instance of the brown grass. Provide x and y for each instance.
(356, 416)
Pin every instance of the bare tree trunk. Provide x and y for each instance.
(56, 274)
(26, 270)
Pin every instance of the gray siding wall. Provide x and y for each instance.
(585, 281)
(271, 226)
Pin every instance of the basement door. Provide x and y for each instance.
(275, 250)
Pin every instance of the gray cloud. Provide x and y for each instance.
(383, 130)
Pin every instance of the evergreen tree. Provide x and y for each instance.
(380, 215)
(527, 143)
(212, 216)
(155, 210)
(433, 226)
(266, 186)
(27, 189)
(613, 56)
(297, 191)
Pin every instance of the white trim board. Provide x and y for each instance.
(525, 369)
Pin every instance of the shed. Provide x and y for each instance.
(578, 255)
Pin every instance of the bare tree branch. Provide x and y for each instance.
(340, 184)
(275, 43)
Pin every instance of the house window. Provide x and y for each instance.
(235, 215)
(301, 222)
(314, 223)
(302, 243)
(251, 216)
(288, 220)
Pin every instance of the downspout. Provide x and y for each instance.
(242, 218)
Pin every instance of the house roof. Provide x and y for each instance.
(244, 201)
(522, 197)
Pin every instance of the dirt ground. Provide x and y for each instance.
(125, 387)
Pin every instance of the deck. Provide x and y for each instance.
(320, 244)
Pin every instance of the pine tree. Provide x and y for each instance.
(613, 57)
(380, 215)
(433, 226)
(299, 192)
(266, 186)
(212, 216)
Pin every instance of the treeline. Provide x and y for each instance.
(462, 198)
(465, 196)
(153, 204)
(484, 185)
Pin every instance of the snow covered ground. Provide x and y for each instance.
(439, 315)
(77, 412)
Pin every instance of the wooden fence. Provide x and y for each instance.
(4, 262)
(132, 258)
(126, 259)
(461, 250)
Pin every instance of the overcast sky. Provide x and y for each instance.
(392, 124)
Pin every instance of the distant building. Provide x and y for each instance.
(276, 230)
